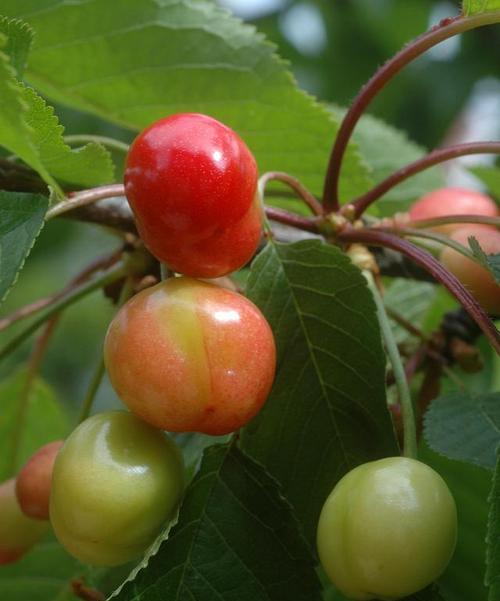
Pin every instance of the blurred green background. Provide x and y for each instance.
(333, 46)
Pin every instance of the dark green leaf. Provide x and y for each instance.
(463, 580)
(327, 411)
(21, 219)
(474, 7)
(27, 421)
(236, 540)
(465, 426)
(493, 537)
(19, 36)
(490, 262)
(150, 59)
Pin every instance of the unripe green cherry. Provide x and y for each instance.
(117, 481)
(387, 530)
(18, 533)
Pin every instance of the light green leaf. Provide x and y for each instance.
(387, 149)
(236, 539)
(465, 426)
(152, 58)
(21, 219)
(493, 538)
(27, 422)
(474, 7)
(19, 36)
(327, 411)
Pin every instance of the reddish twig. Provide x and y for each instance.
(302, 223)
(434, 267)
(433, 158)
(446, 29)
(86, 593)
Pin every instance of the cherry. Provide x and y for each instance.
(191, 183)
(452, 201)
(477, 279)
(34, 481)
(188, 356)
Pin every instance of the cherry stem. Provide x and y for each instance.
(126, 292)
(42, 303)
(23, 401)
(111, 275)
(444, 30)
(433, 158)
(85, 197)
(302, 223)
(409, 425)
(301, 191)
(434, 236)
(104, 140)
(434, 267)
(453, 219)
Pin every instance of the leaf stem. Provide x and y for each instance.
(104, 140)
(452, 219)
(85, 197)
(301, 191)
(433, 266)
(444, 30)
(111, 275)
(125, 294)
(409, 425)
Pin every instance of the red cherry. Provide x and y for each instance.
(191, 183)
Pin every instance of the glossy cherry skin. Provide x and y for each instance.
(117, 481)
(191, 183)
(18, 533)
(387, 530)
(34, 481)
(188, 356)
(452, 201)
(477, 279)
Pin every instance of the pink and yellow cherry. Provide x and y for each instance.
(117, 481)
(34, 481)
(473, 276)
(188, 356)
(18, 533)
(191, 183)
(452, 201)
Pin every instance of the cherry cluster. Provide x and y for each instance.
(185, 355)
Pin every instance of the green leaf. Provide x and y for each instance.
(463, 580)
(465, 426)
(490, 176)
(236, 539)
(27, 422)
(493, 539)
(151, 58)
(21, 219)
(327, 411)
(19, 37)
(489, 262)
(372, 135)
(474, 7)
(29, 129)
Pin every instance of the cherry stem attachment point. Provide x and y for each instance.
(434, 267)
(85, 197)
(301, 191)
(435, 157)
(409, 424)
(444, 30)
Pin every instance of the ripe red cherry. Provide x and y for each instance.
(33, 482)
(452, 201)
(187, 356)
(191, 183)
